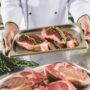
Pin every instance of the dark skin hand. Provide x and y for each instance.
(85, 25)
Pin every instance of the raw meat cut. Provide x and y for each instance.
(58, 85)
(67, 71)
(61, 85)
(32, 42)
(71, 40)
(52, 35)
(60, 37)
(24, 80)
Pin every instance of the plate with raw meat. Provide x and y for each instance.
(49, 39)
(55, 76)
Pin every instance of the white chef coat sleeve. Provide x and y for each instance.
(11, 11)
(79, 8)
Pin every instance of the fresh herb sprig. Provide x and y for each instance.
(64, 38)
(30, 38)
(12, 64)
(33, 39)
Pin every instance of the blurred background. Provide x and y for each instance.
(0, 13)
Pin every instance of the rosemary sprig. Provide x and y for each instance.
(33, 39)
(64, 38)
(30, 38)
(8, 65)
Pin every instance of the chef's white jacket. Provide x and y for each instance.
(38, 13)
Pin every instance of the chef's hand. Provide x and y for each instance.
(10, 29)
(85, 25)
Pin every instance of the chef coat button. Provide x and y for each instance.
(55, 12)
(30, 13)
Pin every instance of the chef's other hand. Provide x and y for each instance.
(85, 25)
(10, 29)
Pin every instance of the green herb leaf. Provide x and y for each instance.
(30, 38)
(61, 33)
(12, 64)
(33, 39)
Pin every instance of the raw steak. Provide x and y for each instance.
(67, 71)
(53, 36)
(58, 85)
(61, 85)
(32, 42)
(25, 80)
(59, 37)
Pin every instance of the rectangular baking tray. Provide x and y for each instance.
(41, 69)
(74, 29)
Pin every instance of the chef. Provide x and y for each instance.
(28, 14)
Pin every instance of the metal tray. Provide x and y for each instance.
(74, 29)
(41, 69)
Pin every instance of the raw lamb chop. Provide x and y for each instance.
(67, 71)
(32, 42)
(24, 80)
(52, 35)
(59, 37)
(58, 85)
(61, 85)
(71, 41)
